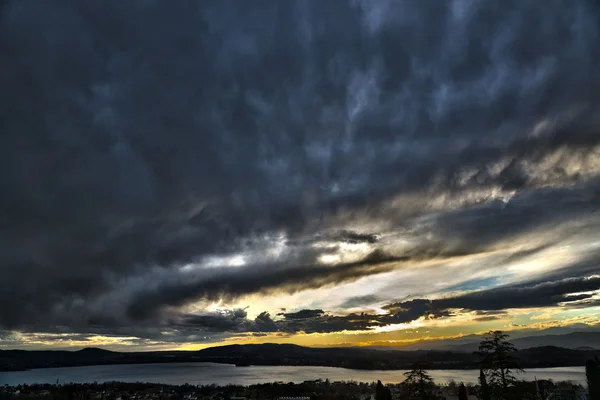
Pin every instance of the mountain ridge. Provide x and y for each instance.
(289, 354)
(470, 343)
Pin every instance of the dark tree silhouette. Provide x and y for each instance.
(418, 383)
(592, 372)
(453, 387)
(484, 391)
(462, 392)
(382, 392)
(497, 361)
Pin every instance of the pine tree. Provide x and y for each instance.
(382, 392)
(497, 361)
(388, 393)
(592, 372)
(484, 391)
(462, 392)
(418, 382)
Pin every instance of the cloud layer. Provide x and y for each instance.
(158, 157)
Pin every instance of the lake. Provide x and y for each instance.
(222, 374)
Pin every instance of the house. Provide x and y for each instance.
(294, 398)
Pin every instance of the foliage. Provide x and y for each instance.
(418, 383)
(497, 362)
(484, 389)
(592, 372)
(462, 392)
(453, 387)
(315, 389)
(382, 392)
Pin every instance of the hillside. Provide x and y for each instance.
(575, 340)
(284, 354)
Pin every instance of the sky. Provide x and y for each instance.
(184, 174)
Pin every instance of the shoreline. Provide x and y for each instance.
(431, 367)
(315, 388)
(277, 355)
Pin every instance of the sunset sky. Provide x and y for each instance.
(182, 174)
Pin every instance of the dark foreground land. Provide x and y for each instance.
(284, 354)
(315, 390)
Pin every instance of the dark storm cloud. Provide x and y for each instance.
(354, 237)
(494, 301)
(524, 296)
(181, 327)
(138, 137)
(306, 320)
(325, 323)
(486, 305)
(80, 337)
(7, 335)
(489, 318)
(496, 221)
(223, 321)
(264, 323)
(204, 285)
(318, 321)
(303, 314)
(359, 301)
(493, 315)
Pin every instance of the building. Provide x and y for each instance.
(567, 394)
(294, 398)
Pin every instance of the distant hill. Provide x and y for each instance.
(95, 351)
(585, 348)
(575, 340)
(286, 354)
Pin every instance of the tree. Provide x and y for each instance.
(592, 372)
(452, 386)
(462, 392)
(382, 392)
(497, 361)
(484, 391)
(418, 383)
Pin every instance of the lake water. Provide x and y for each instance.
(222, 374)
